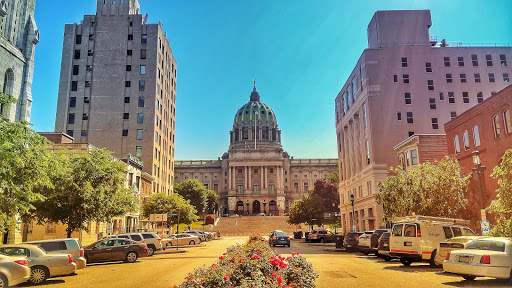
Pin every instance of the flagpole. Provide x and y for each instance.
(256, 113)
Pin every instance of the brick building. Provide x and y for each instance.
(478, 138)
(421, 148)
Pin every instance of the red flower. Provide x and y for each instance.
(221, 257)
(226, 277)
(279, 280)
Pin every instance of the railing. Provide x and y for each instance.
(189, 163)
(469, 44)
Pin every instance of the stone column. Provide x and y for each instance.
(245, 176)
(262, 184)
(250, 178)
(282, 177)
(266, 177)
(229, 178)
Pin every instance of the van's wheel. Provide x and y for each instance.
(38, 275)
(386, 258)
(469, 277)
(131, 257)
(406, 261)
(432, 260)
(3, 281)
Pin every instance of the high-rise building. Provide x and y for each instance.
(118, 87)
(404, 83)
(18, 39)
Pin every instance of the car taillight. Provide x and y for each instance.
(21, 262)
(275, 238)
(70, 258)
(81, 252)
(486, 259)
(357, 237)
(159, 240)
(448, 255)
(144, 245)
(289, 238)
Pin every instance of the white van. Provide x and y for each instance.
(416, 238)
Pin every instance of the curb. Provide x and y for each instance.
(174, 251)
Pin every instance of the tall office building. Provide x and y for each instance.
(404, 83)
(18, 39)
(118, 87)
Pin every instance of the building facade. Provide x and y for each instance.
(478, 138)
(18, 39)
(117, 87)
(256, 175)
(421, 148)
(404, 83)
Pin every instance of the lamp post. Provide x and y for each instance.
(353, 210)
(264, 205)
(247, 203)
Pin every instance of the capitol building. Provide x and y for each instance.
(255, 175)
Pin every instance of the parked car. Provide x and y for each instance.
(115, 249)
(454, 243)
(415, 238)
(42, 265)
(351, 241)
(153, 241)
(364, 244)
(487, 257)
(374, 240)
(323, 236)
(211, 235)
(383, 248)
(202, 237)
(181, 239)
(136, 237)
(13, 270)
(278, 237)
(63, 246)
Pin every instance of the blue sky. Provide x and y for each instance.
(300, 51)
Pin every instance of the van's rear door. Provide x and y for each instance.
(396, 239)
(411, 241)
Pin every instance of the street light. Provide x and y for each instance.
(247, 203)
(353, 210)
(264, 204)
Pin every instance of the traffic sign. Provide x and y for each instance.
(354, 228)
(486, 227)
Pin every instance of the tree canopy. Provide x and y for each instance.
(328, 192)
(431, 189)
(310, 210)
(170, 204)
(502, 206)
(204, 200)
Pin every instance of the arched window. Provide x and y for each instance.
(8, 82)
(456, 144)
(476, 136)
(497, 126)
(465, 138)
(508, 121)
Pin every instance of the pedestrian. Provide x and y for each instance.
(236, 222)
(188, 227)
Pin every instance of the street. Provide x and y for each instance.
(335, 269)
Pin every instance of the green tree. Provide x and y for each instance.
(310, 210)
(170, 204)
(502, 206)
(195, 192)
(211, 201)
(431, 189)
(89, 187)
(334, 177)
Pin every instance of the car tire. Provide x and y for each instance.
(469, 277)
(3, 281)
(131, 257)
(151, 250)
(322, 240)
(386, 258)
(38, 274)
(406, 261)
(192, 242)
(432, 260)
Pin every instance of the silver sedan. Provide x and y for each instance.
(42, 265)
(13, 271)
(182, 239)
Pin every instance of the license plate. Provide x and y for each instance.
(465, 259)
(385, 245)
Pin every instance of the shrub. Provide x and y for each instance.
(210, 220)
(253, 265)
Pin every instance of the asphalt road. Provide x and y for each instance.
(335, 269)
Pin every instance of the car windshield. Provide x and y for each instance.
(15, 251)
(281, 234)
(491, 245)
(459, 240)
(468, 232)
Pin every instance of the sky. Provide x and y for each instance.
(300, 51)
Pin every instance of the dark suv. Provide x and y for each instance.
(351, 241)
(383, 248)
(374, 239)
(322, 236)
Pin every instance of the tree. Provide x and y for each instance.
(328, 191)
(431, 189)
(170, 204)
(502, 206)
(334, 177)
(89, 187)
(195, 192)
(310, 210)
(24, 165)
(211, 201)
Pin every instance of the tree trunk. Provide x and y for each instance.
(68, 233)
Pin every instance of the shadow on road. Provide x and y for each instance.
(48, 282)
(478, 283)
(113, 263)
(413, 268)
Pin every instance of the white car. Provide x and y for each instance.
(486, 257)
(182, 238)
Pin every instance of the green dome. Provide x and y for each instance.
(248, 113)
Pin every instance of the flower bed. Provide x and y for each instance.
(253, 265)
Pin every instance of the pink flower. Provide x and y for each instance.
(226, 277)
(221, 257)
(279, 280)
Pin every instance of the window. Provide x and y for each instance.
(506, 79)
(142, 69)
(414, 157)
(408, 99)
(491, 77)
(465, 138)
(70, 133)
(129, 52)
(508, 122)
(441, 96)
(465, 97)
(156, 136)
(128, 68)
(368, 152)
(480, 97)
(503, 60)
(361, 73)
(474, 60)
(432, 102)
(453, 115)
(476, 136)
(125, 132)
(72, 102)
(365, 119)
(77, 54)
(138, 151)
(405, 78)
(126, 99)
(462, 78)
(71, 118)
(127, 83)
(83, 133)
(410, 230)
(404, 62)
(456, 144)
(430, 84)
(399, 116)
(130, 37)
(397, 230)
(87, 83)
(461, 61)
(89, 68)
(126, 116)
(451, 97)
(488, 60)
(497, 125)
(141, 101)
(354, 89)
(74, 85)
(344, 96)
(144, 39)
(76, 69)
(85, 116)
(449, 78)
(447, 61)
(139, 134)
(410, 119)
(86, 100)
(142, 53)
(90, 52)
(477, 77)
(140, 118)
(395, 78)
(91, 37)
(78, 39)
(142, 85)
(428, 67)
(435, 124)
